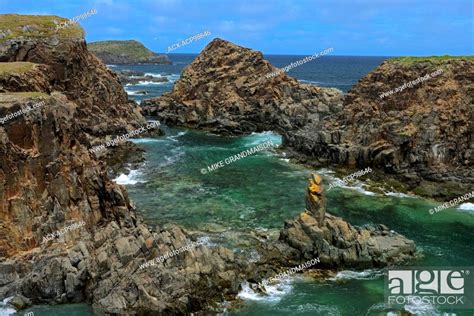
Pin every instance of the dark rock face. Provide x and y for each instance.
(315, 233)
(104, 107)
(422, 135)
(35, 79)
(225, 90)
(49, 181)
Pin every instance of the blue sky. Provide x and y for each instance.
(351, 27)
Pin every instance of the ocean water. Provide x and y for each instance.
(327, 71)
(260, 192)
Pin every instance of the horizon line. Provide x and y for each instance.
(289, 54)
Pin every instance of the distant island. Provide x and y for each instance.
(126, 52)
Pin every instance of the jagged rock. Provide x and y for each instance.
(225, 90)
(423, 135)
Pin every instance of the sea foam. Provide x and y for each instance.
(131, 179)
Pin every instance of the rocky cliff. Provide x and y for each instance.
(126, 52)
(49, 181)
(423, 134)
(68, 67)
(226, 90)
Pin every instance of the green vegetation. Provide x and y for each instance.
(36, 26)
(435, 59)
(131, 48)
(15, 67)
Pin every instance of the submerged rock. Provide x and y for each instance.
(137, 77)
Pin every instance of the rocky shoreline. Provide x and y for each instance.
(422, 149)
(50, 180)
(134, 77)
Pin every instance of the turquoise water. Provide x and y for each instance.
(262, 191)
(59, 310)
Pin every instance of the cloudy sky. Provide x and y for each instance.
(303, 27)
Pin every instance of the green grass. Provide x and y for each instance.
(130, 48)
(15, 67)
(435, 59)
(42, 26)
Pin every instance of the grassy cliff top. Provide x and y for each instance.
(15, 67)
(130, 48)
(36, 26)
(434, 59)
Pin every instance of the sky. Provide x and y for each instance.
(294, 27)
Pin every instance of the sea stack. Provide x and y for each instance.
(318, 234)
